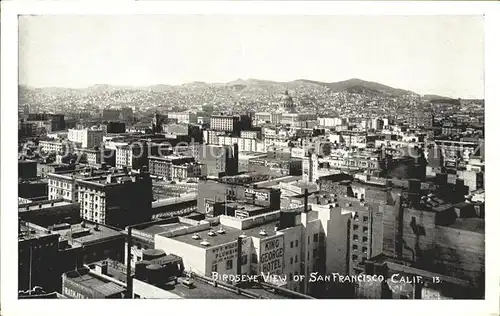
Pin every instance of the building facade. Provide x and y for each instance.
(87, 137)
(116, 199)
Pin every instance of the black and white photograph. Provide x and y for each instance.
(251, 156)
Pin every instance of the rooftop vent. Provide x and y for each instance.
(262, 232)
(221, 231)
(205, 243)
(196, 236)
(243, 235)
(212, 233)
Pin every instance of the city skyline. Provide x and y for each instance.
(443, 54)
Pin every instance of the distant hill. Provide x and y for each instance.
(251, 86)
(361, 86)
(356, 86)
(435, 97)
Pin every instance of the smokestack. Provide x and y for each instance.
(306, 195)
(238, 259)
(398, 240)
(129, 268)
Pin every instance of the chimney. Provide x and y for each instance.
(102, 268)
(306, 195)
(399, 214)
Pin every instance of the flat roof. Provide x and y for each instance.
(246, 206)
(231, 234)
(30, 231)
(469, 224)
(89, 234)
(44, 205)
(94, 282)
(276, 159)
(269, 228)
(162, 228)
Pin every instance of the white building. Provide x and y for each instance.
(183, 117)
(300, 244)
(331, 121)
(55, 146)
(88, 138)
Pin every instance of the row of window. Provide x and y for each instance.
(315, 239)
(229, 263)
(355, 258)
(356, 238)
(356, 218)
(355, 227)
(356, 248)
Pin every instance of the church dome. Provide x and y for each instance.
(286, 97)
(286, 103)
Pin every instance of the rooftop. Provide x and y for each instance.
(270, 159)
(245, 206)
(267, 228)
(85, 234)
(215, 238)
(29, 231)
(201, 290)
(42, 205)
(91, 280)
(230, 234)
(469, 224)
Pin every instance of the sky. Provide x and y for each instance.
(441, 55)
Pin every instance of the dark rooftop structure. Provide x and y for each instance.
(469, 224)
(86, 232)
(99, 287)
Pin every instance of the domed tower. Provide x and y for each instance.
(286, 103)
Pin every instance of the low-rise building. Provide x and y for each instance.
(44, 213)
(85, 284)
(116, 199)
(86, 137)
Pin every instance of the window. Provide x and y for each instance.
(316, 237)
(315, 253)
(365, 229)
(356, 217)
(244, 259)
(363, 259)
(254, 258)
(296, 258)
(290, 276)
(291, 244)
(355, 247)
(354, 258)
(365, 239)
(308, 255)
(365, 218)
(296, 243)
(291, 260)
(365, 250)
(308, 240)
(214, 267)
(355, 237)
(355, 227)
